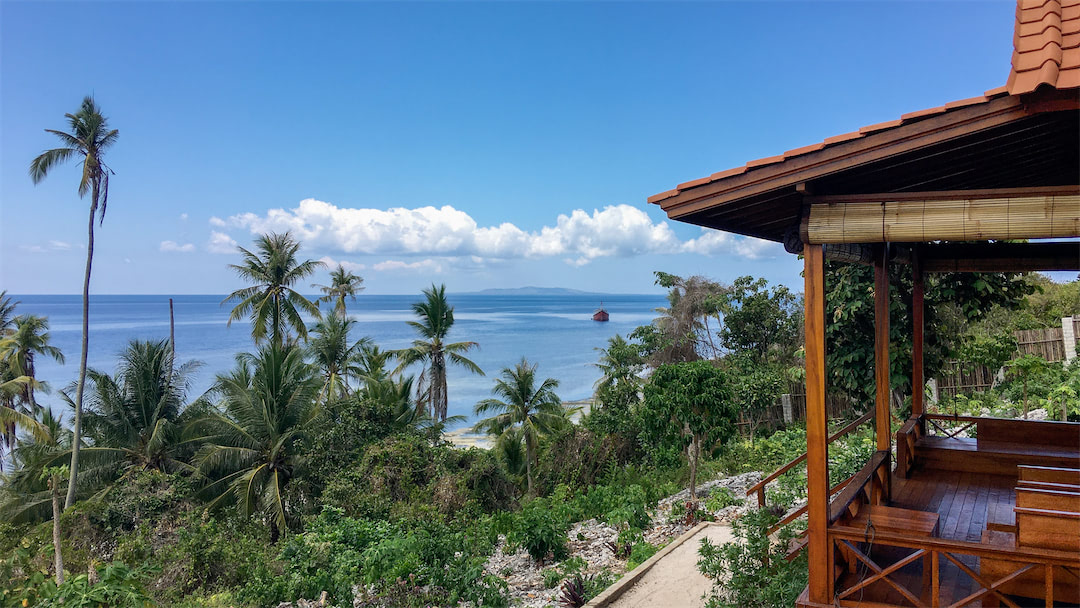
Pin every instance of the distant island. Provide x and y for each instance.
(534, 291)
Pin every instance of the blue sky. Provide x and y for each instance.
(494, 144)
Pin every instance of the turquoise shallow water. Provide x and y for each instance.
(554, 331)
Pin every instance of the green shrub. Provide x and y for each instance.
(540, 530)
(639, 553)
(117, 586)
(552, 577)
(721, 498)
(336, 552)
(752, 572)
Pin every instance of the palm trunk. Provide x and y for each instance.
(438, 387)
(58, 558)
(530, 452)
(276, 329)
(77, 431)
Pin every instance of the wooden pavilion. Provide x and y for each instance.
(990, 183)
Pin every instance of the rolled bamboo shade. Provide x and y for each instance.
(920, 221)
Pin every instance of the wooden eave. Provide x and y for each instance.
(1006, 141)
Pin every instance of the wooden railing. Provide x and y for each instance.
(1026, 562)
(759, 487)
(937, 424)
(906, 437)
(870, 486)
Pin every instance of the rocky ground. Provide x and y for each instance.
(588, 540)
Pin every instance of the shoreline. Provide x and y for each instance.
(464, 437)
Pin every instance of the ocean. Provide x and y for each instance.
(555, 332)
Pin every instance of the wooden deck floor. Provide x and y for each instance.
(964, 503)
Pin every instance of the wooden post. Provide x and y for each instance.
(817, 473)
(882, 420)
(918, 381)
(882, 415)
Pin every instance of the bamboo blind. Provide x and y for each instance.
(920, 221)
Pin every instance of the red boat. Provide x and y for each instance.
(600, 314)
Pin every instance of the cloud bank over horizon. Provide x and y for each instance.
(445, 232)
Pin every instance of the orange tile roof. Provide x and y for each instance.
(1046, 52)
(1046, 46)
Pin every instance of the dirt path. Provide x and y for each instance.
(674, 581)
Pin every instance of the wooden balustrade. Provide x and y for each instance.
(870, 486)
(906, 437)
(1054, 565)
(759, 487)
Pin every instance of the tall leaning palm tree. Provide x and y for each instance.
(343, 284)
(29, 338)
(271, 302)
(88, 138)
(525, 413)
(436, 317)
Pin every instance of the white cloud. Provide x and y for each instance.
(183, 217)
(399, 266)
(445, 232)
(174, 247)
(49, 246)
(331, 263)
(220, 243)
(715, 242)
(617, 230)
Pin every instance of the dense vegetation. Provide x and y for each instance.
(318, 464)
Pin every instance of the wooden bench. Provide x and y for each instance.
(1003, 445)
(1057, 475)
(1047, 517)
(1050, 500)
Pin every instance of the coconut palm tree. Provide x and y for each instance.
(134, 418)
(371, 364)
(88, 139)
(7, 312)
(46, 434)
(330, 351)
(252, 440)
(7, 375)
(10, 388)
(526, 411)
(29, 337)
(343, 284)
(436, 318)
(271, 302)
